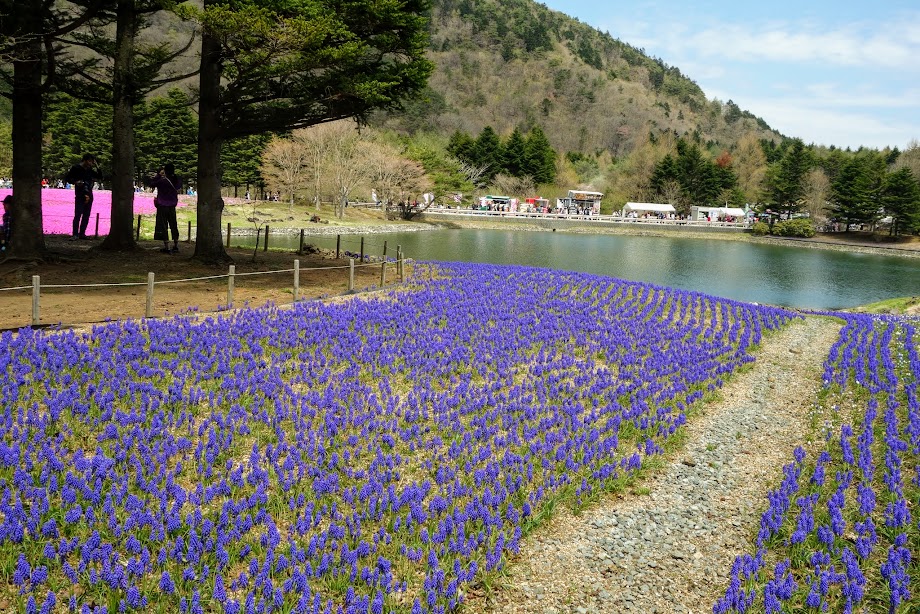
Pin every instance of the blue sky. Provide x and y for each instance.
(841, 73)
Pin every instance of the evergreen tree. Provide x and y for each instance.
(487, 152)
(241, 159)
(851, 194)
(71, 129)
(122, 69)
(462, 146)
(665, 172)
(901, 200)
(29, 34)
(514, 153)
(699, 181)
(270, 66)
(539, 157)
(166, 130)
(786, 178)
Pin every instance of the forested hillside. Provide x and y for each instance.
(516, 63)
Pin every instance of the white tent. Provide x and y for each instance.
(700, 213)
(648, 207)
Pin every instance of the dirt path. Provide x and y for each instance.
(669, 544)
(82, 263)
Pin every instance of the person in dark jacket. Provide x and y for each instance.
(82, 176)
(6, 230)
(168, 186)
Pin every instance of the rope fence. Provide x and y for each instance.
(231, 275)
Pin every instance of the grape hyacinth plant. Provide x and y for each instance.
(380, 453)
(850, 541)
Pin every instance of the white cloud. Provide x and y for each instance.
(815, 122)
(846, 84)
(887, 45)
(841, 48)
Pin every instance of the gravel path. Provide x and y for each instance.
(670, 550)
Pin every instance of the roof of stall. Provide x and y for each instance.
(656, 207)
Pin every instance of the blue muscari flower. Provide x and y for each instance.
(23, 572)
(166, 583)
(219, 594)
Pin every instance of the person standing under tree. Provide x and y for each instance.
(6, 230)
(168, 185)
(82, 176)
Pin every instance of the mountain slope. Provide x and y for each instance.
(518, 63)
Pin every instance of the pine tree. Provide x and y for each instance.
(275, 66)
(487, 152)
(29, 33)
(901, 200)
(699, 181)
(72, 128)
(665, 172)
(786, 177)
(462, 146)
(851, 194)
(166, 130)
(514, 153)
(539, 157)
(241, 160)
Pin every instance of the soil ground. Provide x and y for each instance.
(81, 262)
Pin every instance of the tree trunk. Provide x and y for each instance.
(28, 240)
(121, 233)
(209, 246)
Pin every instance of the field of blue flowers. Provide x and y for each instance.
(839, 534)
(385, 452)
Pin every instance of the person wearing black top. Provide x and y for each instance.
(6, 230)
(82, 176)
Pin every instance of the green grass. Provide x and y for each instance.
(890, 306)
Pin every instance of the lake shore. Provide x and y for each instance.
(854, 242)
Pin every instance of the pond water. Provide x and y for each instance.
(779, 275)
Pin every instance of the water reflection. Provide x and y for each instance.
(789, 276)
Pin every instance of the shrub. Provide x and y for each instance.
(802, 227)
(760, 229)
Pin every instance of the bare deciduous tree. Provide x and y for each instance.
(516, 186)
(344, 163)
(285, 165)
(671, 193)
(910, 158)
(473, 173)
(750, 167)
(395, 178)
(817, 192)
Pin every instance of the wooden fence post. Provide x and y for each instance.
(383, 273)
(384, 250)
(399, 263)
(338, 245)
(228, 234)
(300, 250)
(296, 280)
(149, 311)
(362, 250)
(230, 284)
(36, 294)
(351, 275)
(266, 239)
(137, 236)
